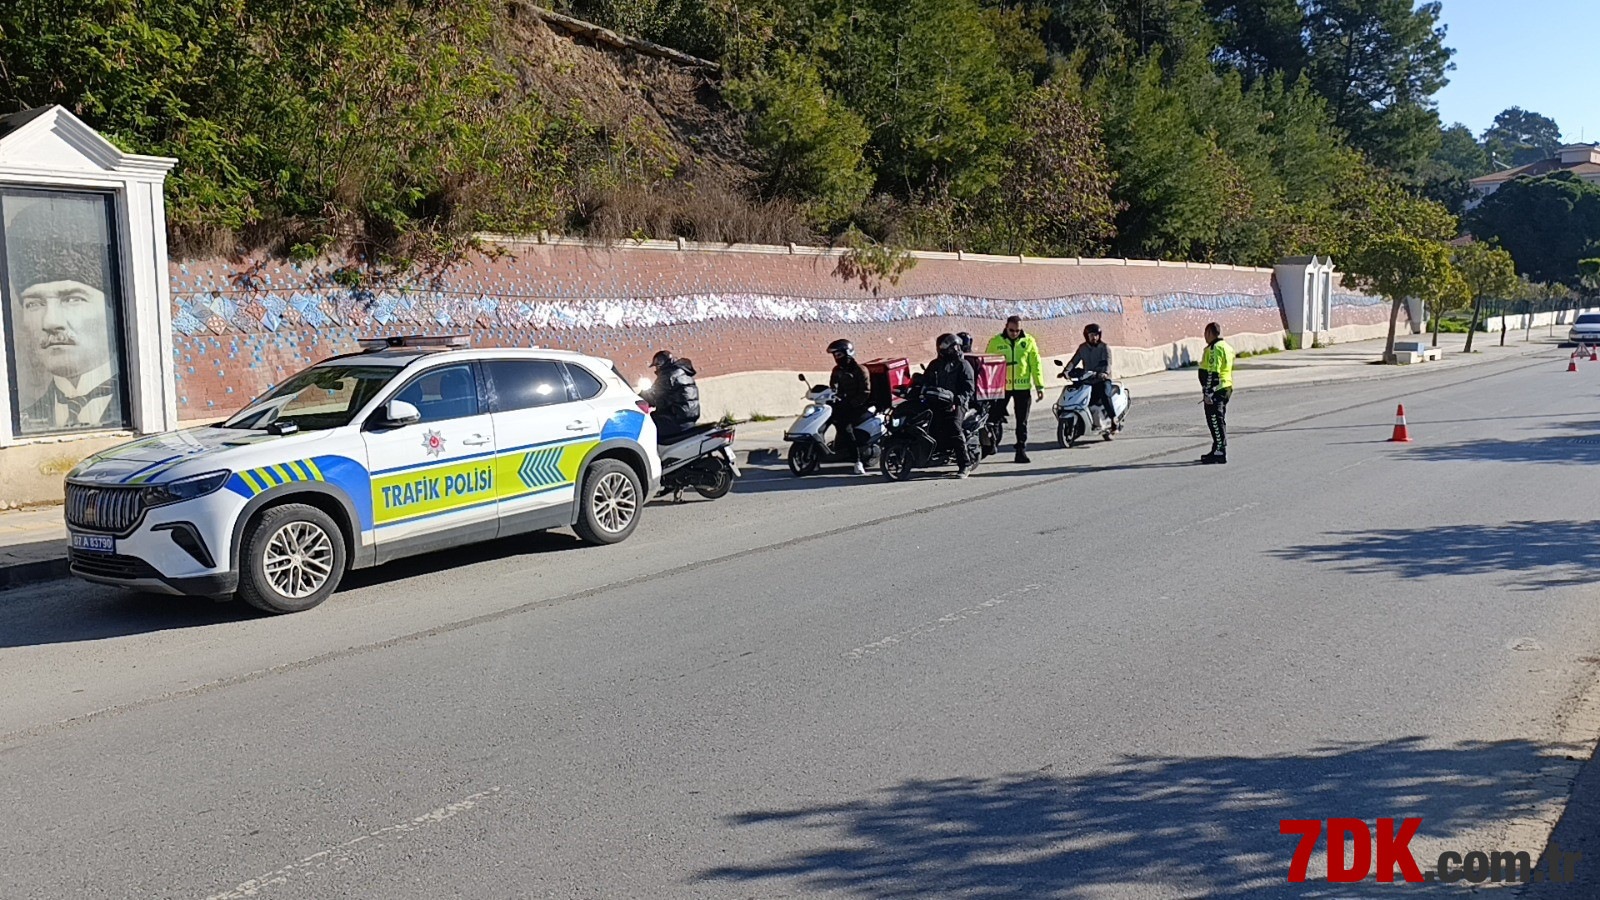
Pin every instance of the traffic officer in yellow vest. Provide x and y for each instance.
(1216, 387)
(1024, 377)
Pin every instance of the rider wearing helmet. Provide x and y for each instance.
(953, 373)
(852, 392)
(674, 395)
(1095, 356)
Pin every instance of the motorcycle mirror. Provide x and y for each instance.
(804, 378)
(1061, 364)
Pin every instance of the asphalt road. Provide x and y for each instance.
(1107, 674)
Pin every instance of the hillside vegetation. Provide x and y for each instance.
(1218, 130)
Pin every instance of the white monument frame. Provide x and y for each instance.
(51, 149)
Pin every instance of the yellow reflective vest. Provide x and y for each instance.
(1218, 360)
(1023, 369)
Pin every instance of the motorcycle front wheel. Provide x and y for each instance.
(803, 459)
(719, 485)
(896, 462)
(1068, 431)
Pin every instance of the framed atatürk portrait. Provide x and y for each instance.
(63, 311)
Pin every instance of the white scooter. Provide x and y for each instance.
(1076, 416)
(808, 435)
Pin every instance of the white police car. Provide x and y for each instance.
(414, 445)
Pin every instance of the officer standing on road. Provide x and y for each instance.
(1216, 387)
(852, 391)
(1024, 377)
(953, 373)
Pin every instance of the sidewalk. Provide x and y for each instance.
(33, 542)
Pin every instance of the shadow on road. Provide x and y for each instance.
(1202, 826)
(67, 611)
(1563, 449)
(1541, 554)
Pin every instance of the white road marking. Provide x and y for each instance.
(943, 621)
(1216, 518)
(340, 854)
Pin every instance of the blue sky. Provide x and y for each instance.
(1536, 54)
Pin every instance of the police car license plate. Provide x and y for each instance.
(94, 543)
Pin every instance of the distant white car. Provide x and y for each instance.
(417, 444)
(1586, 329)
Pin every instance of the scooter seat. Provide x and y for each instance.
(705, 428)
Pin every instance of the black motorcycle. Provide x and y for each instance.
(910, 444)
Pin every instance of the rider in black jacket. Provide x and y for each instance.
(674, 395)
(953, 373)
(852, 389)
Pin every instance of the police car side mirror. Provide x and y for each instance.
(398, 413)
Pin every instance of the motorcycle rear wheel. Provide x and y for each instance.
(896, 462)
(804, 459)
(719, 486)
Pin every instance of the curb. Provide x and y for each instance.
(19, 574)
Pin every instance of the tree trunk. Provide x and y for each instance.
(1472, 327)
(1502, 324)
(1437, 315)
(1394, 320)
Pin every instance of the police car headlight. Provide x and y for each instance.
(185, 489)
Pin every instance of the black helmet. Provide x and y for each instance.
(842, 346)
(966, 341)
(661, 358)
(948, 344)
(1089, 329)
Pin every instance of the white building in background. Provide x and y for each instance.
(1582, 160)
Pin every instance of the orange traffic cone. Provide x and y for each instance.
(1593, 356)
(1401, 434)
(1572, 364)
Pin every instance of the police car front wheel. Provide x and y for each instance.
(292, 558)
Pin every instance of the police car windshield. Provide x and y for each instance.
(319, 397)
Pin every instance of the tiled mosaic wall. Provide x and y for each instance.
(241, 326)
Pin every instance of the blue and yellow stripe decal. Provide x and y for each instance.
(253, 481)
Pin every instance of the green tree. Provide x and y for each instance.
(1547, 224)
(1488, 272)
(810, 143)
(1520, 136)
(1400, 267)
(1378, 62)
(1055, 199)
(1448, 174)
(1261, 37)
(934, 84)
(1111, 30)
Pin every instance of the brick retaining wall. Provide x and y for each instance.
(239, 326)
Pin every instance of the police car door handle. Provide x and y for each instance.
(477, 440)
(578, 426)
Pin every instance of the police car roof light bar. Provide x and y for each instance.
(435, 341)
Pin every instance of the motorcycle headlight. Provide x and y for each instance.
(810, 410)
(185, 489)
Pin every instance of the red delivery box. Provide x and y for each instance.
(886, 375)
(989, 373)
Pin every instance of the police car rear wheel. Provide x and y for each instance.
(609, 506)
(292, 559)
